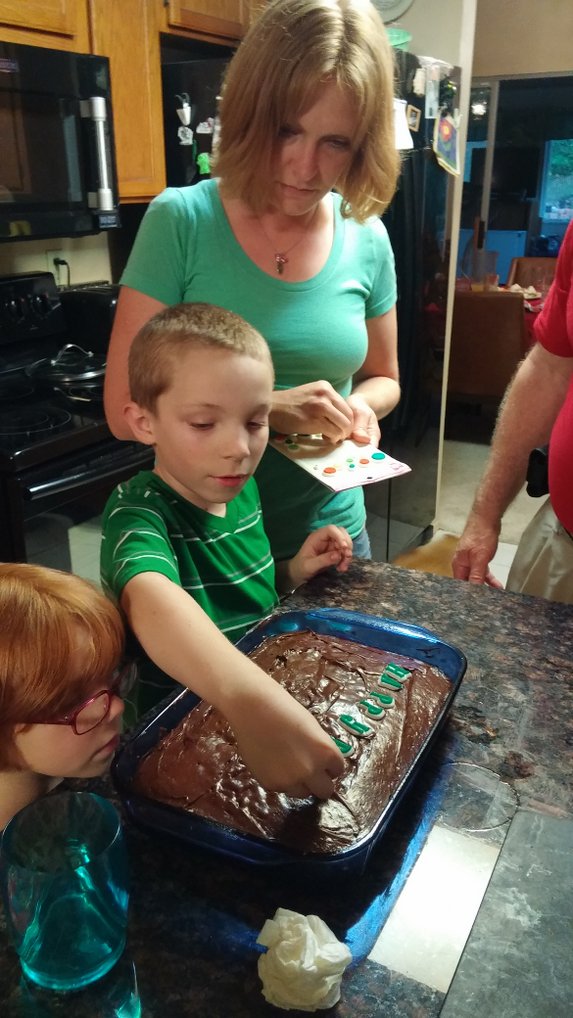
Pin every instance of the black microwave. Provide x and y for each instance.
(57, 158)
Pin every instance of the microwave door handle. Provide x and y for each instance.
(94, 109)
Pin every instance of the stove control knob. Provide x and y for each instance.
(40, 305)
(14, 310)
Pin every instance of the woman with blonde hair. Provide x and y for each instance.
(61, 645)
(288, 236)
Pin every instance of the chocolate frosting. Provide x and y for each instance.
(196, 767)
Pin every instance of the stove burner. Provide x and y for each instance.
(15, 389)
(32, 422)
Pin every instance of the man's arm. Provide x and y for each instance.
(280, 741)
(528, 412)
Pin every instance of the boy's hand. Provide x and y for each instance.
(283, 745)
(328, 546)
(280, 741)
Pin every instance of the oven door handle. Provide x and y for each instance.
(93, 473)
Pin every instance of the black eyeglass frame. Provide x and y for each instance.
(120, 686)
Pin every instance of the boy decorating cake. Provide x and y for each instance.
(184, 548)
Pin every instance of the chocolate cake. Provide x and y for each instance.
(378, 706)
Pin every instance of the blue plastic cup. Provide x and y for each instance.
(65, 886)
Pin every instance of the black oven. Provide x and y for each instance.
(58, 459)
(57, 163)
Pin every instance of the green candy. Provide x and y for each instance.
(397, 672)
(345, 747)
(356, 727)
(387, 680)
(384, 698)
(372, 708)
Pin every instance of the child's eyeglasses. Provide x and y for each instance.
(94, 710)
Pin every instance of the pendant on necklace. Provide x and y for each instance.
(280, 262)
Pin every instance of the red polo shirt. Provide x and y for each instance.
(554, 330)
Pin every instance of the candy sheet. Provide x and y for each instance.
(339, 466)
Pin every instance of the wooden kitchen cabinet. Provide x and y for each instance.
(57, 24)
(222, 19)
(128, 33)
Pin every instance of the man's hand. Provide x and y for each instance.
(476, 548)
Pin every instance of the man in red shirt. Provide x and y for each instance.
(537, 409)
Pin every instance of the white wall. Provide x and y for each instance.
(88, 257)
(523, 37)
(441, 28)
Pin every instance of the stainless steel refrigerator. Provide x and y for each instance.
(401, 512)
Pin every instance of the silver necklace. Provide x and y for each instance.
(281, 257)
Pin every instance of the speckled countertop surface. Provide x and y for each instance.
(507, 746)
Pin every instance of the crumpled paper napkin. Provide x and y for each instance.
(304, 963)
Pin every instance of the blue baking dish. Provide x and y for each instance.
(382, 633)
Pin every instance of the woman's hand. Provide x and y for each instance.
(323, 548)
(365, 424)
(312, 409)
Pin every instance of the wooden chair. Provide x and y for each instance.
(530, 271)
(489, 339)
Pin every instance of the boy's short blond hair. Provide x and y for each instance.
(154, 352)
(43, 611)
(293, 48)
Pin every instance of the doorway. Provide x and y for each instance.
(518, 189)
(518, 174)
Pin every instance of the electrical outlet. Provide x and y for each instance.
(58, 263)
(51, 267)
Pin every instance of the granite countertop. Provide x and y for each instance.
(497, 778)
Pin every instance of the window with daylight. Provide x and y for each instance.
(557, 193)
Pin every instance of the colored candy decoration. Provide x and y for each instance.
(378, 455)
(384, 698)
(387, 680)
(346, 748)
(355, 726)
(396, 671)
(372, 709)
